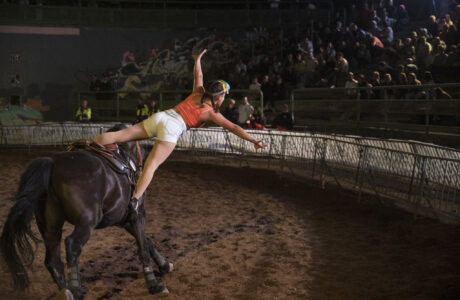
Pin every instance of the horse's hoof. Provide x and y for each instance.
(167, 268)
(171, 267)
(68, 294)
(65, 294)
(158, 289)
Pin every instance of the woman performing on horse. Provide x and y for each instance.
(167, 126)
(82, 188)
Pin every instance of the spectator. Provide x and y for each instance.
(365, 93)
(351, 84)
(432, 26)
(279, 91)
(288, 72)
(402, 80)
(153, 108)
(365, 16)
(283, 121)
(310, 67)
(95, 86)
(391, 10)
(414, 93)
(354, 13)
(299, 70)
(83, 112)
(427, 78)
(388, 81)
(330, 51)
(449, 21)
(440, 59)
(244, 112)
(412, 79)
(231, 112)
(387, 35)
(243, 80)
(257, 119)
(375, 82)
(411, 67)
(342, 70)
(351, 91)
(255, 85)
(142, 111)
(423, 52)
(402, 19)
(363, 54)
(266, 88)
(241, 66)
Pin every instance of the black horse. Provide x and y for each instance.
(82, 188)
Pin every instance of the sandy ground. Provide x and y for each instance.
(237, 233)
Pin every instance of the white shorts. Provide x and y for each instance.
(166, 126)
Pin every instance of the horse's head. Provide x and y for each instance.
(131, 149)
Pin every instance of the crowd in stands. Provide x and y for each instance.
(376, 45)
(374, 48)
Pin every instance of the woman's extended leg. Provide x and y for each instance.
(135, 132)
(161, 150)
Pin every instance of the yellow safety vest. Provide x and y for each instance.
(144, 112)
(84, 113)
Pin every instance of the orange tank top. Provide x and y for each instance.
(190, 112)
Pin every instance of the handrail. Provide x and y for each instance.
(414, 174)
(161, 97)
(387, 87)
(344, 96)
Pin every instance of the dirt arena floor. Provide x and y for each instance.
(238, 233)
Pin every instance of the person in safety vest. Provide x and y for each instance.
(142, 112)
(83, 112)
(167, 126)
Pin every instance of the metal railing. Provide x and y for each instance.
(122, 105)
(413, 108)
(422, 178)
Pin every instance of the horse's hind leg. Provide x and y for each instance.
(74, 244)
(50, 224)
(164, 265)
(136, 227)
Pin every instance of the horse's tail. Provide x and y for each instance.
(14, 242)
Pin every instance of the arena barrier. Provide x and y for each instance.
(422, 178)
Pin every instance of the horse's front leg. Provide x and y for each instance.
(74, 244)
(136, 226)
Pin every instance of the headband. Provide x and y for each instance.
(225, 86)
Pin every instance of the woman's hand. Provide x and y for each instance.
(198, 56)
(258, 145)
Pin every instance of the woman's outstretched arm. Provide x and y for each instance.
(197, 73)
(220, 120)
